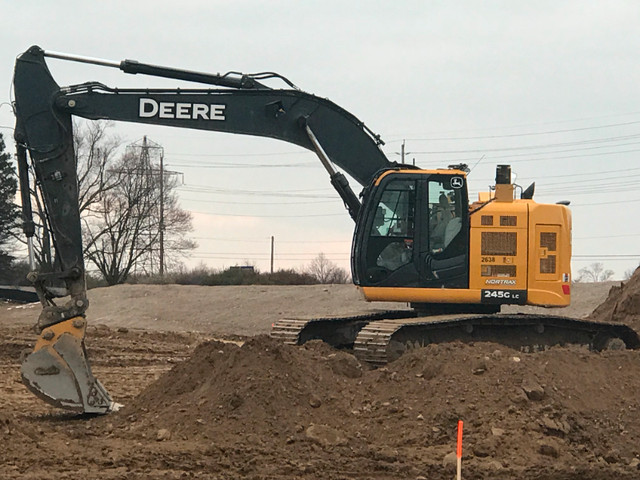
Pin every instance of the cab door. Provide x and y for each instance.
(383, 253)
(444, 244)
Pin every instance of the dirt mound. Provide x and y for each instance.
(622, 304)
(276, 403)
(264, 387)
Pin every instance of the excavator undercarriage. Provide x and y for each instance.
(382, 337)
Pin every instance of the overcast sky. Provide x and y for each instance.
(550, 87)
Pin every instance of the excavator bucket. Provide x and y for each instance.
(58, 370)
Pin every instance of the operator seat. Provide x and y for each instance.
(444, 216)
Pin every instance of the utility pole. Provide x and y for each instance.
(146, 165)
(149, 152)
(402, 152)
(161, 223)
(272, 249)
(149, 171)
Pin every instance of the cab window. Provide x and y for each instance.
(445, 213)
(390, 243)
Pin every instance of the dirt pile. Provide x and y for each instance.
(622, 304)
(306, 410)
(263, 387)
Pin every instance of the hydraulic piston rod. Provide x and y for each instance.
(230, 79)
(338, 180)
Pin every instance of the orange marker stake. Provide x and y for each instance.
(459, 450)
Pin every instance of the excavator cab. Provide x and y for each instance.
(419, 240)
(414, 231)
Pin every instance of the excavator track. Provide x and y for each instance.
(339, 332)
(383, 337)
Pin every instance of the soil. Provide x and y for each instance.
(207, 394)
(622, 304)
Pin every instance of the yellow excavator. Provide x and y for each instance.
(417, 238)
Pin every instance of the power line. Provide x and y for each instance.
(509, 127)
(602, 188)
(580, 196)
(606, 203)
(608, 236)
(244, 165)
(267, 238)
(554, 158)
(593, 173)
(258, 203)
(589, 189)
(538, 159)
(600, 178)
(604, 259)
(273, 154)
(258, 193)
(269, 216)
(526, 134)
(529, 147)
(206, 188)
(267, 255)
(252, 257)
(597, 147)
(607, 256)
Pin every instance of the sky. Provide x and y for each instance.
(549, 87)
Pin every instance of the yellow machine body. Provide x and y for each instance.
(519, 251)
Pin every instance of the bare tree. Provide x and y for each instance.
(325, 271)
(123, 232)
(594, 273)
(95, 151)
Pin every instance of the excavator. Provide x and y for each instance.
(418, 240)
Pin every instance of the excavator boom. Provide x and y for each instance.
(58, 370)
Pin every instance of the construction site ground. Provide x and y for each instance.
(196, 404)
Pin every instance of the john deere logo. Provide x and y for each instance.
(456, 182)
(181, 110)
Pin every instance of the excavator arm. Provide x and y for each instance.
(58, 370)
